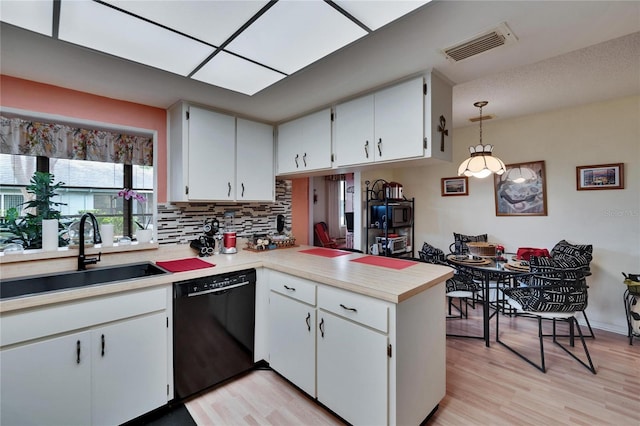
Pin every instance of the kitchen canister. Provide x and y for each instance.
(106, 233)
(49, 234)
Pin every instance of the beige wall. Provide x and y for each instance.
(607, 132)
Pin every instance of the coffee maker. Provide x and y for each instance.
(229, 235)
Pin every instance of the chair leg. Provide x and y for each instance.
(540, 366)
(589, 367)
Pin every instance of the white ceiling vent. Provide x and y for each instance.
(481, 43)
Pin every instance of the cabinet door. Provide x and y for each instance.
(254, 172)
(354, 125)
(316, 142)
(292, 336)
(399, 121)
(47, 383)
(212, 158)
(129, 369)
(290, 137)
(352, 370)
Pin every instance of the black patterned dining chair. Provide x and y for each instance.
(460, 287)
(555, 290)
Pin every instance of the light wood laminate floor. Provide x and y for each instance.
(485, 386)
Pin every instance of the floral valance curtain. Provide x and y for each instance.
(25, 137)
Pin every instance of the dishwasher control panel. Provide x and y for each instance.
(214, 283)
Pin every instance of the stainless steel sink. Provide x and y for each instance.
(28, 286)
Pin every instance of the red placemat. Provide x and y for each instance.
(182, 265)
(325, 252)
(385, 262)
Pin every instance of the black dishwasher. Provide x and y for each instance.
(213, 330)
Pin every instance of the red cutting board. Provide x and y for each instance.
(182, 265)
(385, 262)
(324, 252)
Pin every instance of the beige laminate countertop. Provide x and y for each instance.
(380, 282)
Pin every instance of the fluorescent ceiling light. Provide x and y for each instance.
(233, 73)
(294, 34)
(209, 21)
(375, 13)
(181, 36)
(32, 15)
(102, 28)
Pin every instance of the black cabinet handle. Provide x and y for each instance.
(304, 159)
(308, 320)
(380, 147)
(229, 192)
(78, 352)
(290, 288)
(366, 149)
(297, 156)
(102, 350)
(242, 185)
(322, 327)
(348, 309)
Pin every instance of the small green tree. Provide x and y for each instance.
(28, 229)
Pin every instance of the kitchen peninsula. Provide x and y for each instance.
(377, 332)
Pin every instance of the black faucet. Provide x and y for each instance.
(82, 261)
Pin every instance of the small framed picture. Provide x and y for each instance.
(602, 176)
(454, 186)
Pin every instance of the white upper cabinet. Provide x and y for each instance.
(213, 158)
(354, 132)
(304, 144)
(255, 180)
(395, 123)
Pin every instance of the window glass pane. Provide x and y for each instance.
(143, 210)
(143, 177)
(87, 173)
(16, 169)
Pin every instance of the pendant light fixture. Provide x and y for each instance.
(481, 162)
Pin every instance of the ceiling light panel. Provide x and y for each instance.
(32, 15)
(294, 34)
(375, 13)
(234, 73)
(102, 28)
(209, 21)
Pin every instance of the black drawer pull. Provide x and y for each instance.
(308, 320)
(348, 309)
(290, 288)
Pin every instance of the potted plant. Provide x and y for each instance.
(28, 229)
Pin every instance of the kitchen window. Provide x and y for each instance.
(95, 162)
(89, 186)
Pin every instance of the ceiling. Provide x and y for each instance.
(566, 54)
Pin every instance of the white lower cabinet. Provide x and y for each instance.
(47, 383)
(292, 337)
(114, 370)
(352, 370)
(129, 369)
(375, 362)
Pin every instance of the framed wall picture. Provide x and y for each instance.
(603, 176)
(521, 190)
(454, 186)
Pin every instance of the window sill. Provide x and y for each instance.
(63, 252)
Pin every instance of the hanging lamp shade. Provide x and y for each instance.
(481, 162)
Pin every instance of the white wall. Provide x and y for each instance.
(607, 132)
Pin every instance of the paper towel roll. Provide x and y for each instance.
(50, 234)
(106, 233)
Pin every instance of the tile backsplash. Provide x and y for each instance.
(180, 224)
